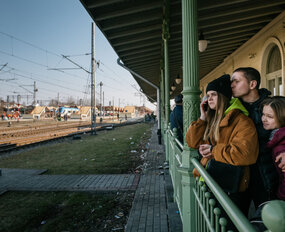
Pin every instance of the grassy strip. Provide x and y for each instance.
(61, 211)
(108, 152)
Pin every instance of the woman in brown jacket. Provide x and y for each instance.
(225, 135)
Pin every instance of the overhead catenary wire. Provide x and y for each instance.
(30, 73)
(46, 82)
(16, 85)
(39, 64)
(30, 44)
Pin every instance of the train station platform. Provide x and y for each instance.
(153, 209)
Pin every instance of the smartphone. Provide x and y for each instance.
(205, 105)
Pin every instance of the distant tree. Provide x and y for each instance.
(86, 102)
(53, 102)
(70, 101)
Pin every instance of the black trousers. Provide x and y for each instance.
(256, 193)
(239, 200)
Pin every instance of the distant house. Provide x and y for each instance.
(144, 110)
(50, 112)
(130, 112)
(110, 110)
(38, 112)
(84, 112)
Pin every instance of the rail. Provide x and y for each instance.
(27, 137)
(210, 200)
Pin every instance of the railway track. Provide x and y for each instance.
(29, 135)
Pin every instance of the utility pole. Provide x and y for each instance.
(113, 108)
(93, 100)
(34, 96)
(101, 84)
(103, 102)
(34, 92)
(8, 98)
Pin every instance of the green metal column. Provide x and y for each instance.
(165, 31)
(191, 102)
(165, 36)
(162, 99)
(166, 82)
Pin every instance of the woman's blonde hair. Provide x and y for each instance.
(214, 118)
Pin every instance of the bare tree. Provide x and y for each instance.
(70, 101)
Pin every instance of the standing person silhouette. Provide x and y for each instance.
(176, 117)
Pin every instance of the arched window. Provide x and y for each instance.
(273, 72)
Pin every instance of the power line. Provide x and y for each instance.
(30, 44)
(53, 84)
(16, 85)
(39, 64)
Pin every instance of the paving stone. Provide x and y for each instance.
(20, 179)
(149, 211)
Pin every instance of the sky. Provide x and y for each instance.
(34, 36)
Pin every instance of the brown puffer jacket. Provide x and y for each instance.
(237, 145)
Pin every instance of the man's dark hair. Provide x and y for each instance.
(178, 98)
(250, 74)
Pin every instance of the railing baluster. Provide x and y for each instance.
(212, 203)
(196, 187)
(200, 211)
(204, 206)
(207, 195)
(223, 222)
(217, 213)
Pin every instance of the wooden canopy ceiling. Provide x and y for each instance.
(134, 30)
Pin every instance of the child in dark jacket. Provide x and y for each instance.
(273, 118)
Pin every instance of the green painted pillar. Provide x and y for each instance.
(165, 36)
(162, 102)
(191, 103)
(166, 84)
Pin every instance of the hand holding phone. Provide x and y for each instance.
(205, 106)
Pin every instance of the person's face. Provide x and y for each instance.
(240, 85)
(212, 97)
(268, 118)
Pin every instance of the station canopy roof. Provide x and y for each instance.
(134, 30)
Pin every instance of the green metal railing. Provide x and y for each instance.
(211, 200)
(175, 161)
